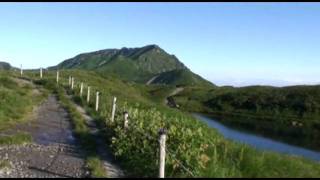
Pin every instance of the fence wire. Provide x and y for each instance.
(144, 135)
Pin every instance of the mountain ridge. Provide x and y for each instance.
(5, 65)
(139, 64)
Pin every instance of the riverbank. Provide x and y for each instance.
(294, 135)
(290, 113)
(257, 141)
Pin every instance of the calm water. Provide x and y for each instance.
(259, 142)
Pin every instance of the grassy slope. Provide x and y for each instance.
(198, 147)
(16, 104)
(5, 66)
(16, 100)
(182, 77)
(137, 65)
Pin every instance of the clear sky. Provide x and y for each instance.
(226, 43)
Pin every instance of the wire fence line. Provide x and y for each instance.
(74, 87)
(145, 135)
(173, 156)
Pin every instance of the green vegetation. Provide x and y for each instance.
(96, 167)
(5, 66)
(17, 100)
(19, 138)
(80, 129)
(191, 144)
(4, 164)
(181, 77)
(294, 111)
(291, 113)
(136, 65)
(157, 93)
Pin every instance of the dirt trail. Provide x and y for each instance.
(54, 151)
(151, 80)
(104, 152)
(169, 100)
(176, 91)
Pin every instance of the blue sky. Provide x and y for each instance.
(226, 43)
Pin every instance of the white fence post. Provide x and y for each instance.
(113, 109)
(126, 121)
(88, 95)
(57, 77)
(72, 82)
(41, 73)
(162, 142)
(69, 81)
(81, 89)
(97, 101)
(21, 70)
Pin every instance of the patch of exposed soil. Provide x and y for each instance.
(54, 151)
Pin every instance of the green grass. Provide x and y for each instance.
(19, 138)
(202, 150)
(81, 131)
(182, 77)
(96, 167)
(4, 164)
(16, 100)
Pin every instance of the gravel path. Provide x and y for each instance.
(169, 100)
(112, 168)
(54, 151)
(151, 80)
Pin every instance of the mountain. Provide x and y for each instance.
(5, 66)
(149, 64)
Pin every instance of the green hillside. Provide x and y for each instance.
(4, 66)
(191, 144)
(182, 77)
(17, 99)
(136, 64)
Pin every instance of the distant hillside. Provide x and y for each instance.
(181, 77)
(5, 66)
(146, 64)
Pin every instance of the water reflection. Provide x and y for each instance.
(258, 141)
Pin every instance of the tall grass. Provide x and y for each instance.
(16, 100)
(18, 138)
(193, 149)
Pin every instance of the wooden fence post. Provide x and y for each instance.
(113, 109)
(88, 95)
(126, 121)
(57, 77)
(72, 82)
(97, 101)
(81, 89)
(41, 73)
(162, 142)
